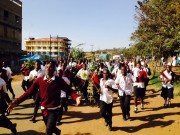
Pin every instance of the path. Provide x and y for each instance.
(85, 120)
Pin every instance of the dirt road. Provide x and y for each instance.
(86, 120)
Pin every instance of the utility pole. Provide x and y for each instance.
(57, 48)
(92, 48)
(50, 47)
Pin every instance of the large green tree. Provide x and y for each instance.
(158, 30)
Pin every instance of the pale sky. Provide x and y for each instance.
(104, 24)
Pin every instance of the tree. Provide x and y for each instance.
(158, 28)
(76, 53)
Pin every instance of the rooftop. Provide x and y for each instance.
(48, 39)
(17, 2)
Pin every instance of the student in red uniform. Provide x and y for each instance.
(139, 86)
(167, 79)
(50, 88)
(25, 82)
(96, 85)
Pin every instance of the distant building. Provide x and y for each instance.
(55, 46)
(10, 30)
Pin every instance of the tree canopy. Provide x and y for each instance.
(77, 53)
(158, 30)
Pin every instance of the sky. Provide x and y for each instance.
(98, 24)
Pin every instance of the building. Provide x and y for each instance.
(55, 47)
(10, 30)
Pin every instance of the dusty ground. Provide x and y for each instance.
(85, 120)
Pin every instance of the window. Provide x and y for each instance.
(6, 14)
(5, 32)
(14, 34)
(56, 48)
(17, 18)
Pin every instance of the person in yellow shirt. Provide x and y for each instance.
(83, 74)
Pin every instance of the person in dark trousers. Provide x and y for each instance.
(4, 99)
(124, 84)
(9, 74)
(96, 86)
(139, 86)
(64, 97)
(50, 88)
(83, 75)
(34, 74)
(25, 82)
(106, 98)
(167, 78)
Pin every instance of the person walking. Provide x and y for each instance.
(139, 86)
(167, 78)
(49, 87)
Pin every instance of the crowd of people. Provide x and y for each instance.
(51, 83)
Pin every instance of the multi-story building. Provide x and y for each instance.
(10, 29)
(48, 46)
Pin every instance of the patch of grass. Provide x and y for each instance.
(177, 89)
(154, 82)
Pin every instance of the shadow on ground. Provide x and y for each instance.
(29, 132)
(149, 122)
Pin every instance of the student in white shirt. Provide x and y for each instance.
(167, 79)
(64, 96)
(124, 84)
(107, 86)
(9, 75)
(131, 64)
(4, 100)
(148, 73)
(116, 71)
(33, 75)
(140, 78)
